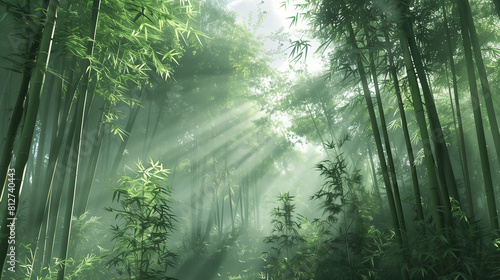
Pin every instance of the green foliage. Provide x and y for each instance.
(87, 268)
(331, 194)
(460, 252)
(464, 252)
(138, 47)
(285, 232)
(350, 243)
(285, 237)
(340, 235)
(141, 250)
(87, 260)
(86, 229)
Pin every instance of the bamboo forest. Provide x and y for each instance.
(250, 139)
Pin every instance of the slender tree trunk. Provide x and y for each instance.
(240, 198)
(107, 154)
(67, 214)
(462, 149)
(32, 111)
(228, 184)
(478, 120)
(40, 245)
(247, 199)
(19, 107)
(155, 129)
(323, 143)
(326, 114)
(460, 135)
(201, 203)
(259, 192)
(61, 167)
(217, 212)
(445, 170)
(376, 135)
(388, 150)
(406, 133)
(483, 77)
(420, 117)
(5, 101)
(374, 173)
(128, 128)
(40, 158)
(80, 120)
(194, 168)
(58, 128)
(255, 197)
(210, 221)
(147, 130)
(92, 150)
(83, 197)
(59, 120)
(221, 226)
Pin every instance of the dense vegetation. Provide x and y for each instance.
(156, 139)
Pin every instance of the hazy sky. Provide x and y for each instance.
(275, 19)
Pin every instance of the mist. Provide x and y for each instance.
(203, 140)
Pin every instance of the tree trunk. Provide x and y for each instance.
(84, 194)
(374, 174)
(51, 181)
(388, 150)
(5, 102)
(128, 128)
(59, 120)
(20, 106)
(445, 170)
(376, 135)
(247, 199)
(60, 163)
(460, 135)
(317, 130)
(194, 168)
(483, 77)
(420, 117)
(80, 120)
(37, 192)
(32, 111)
(240, 198)
(144, 146)
(406, 133)
(201, 203)
(155, 129)
(478, 120)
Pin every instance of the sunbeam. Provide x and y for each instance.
(249, 139)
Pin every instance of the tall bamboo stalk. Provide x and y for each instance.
(424, 134)
(460, 135)
(383, 124)
(80, 120)
(60, 119)
(483, 77)
(19, 107)
(478, 120)
(445, 171)
(374, 173)
(84, 192)
(406, 133)
(134, 111)
(376, 134)
(30, 121)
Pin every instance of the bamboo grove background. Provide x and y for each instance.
(156, 140)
